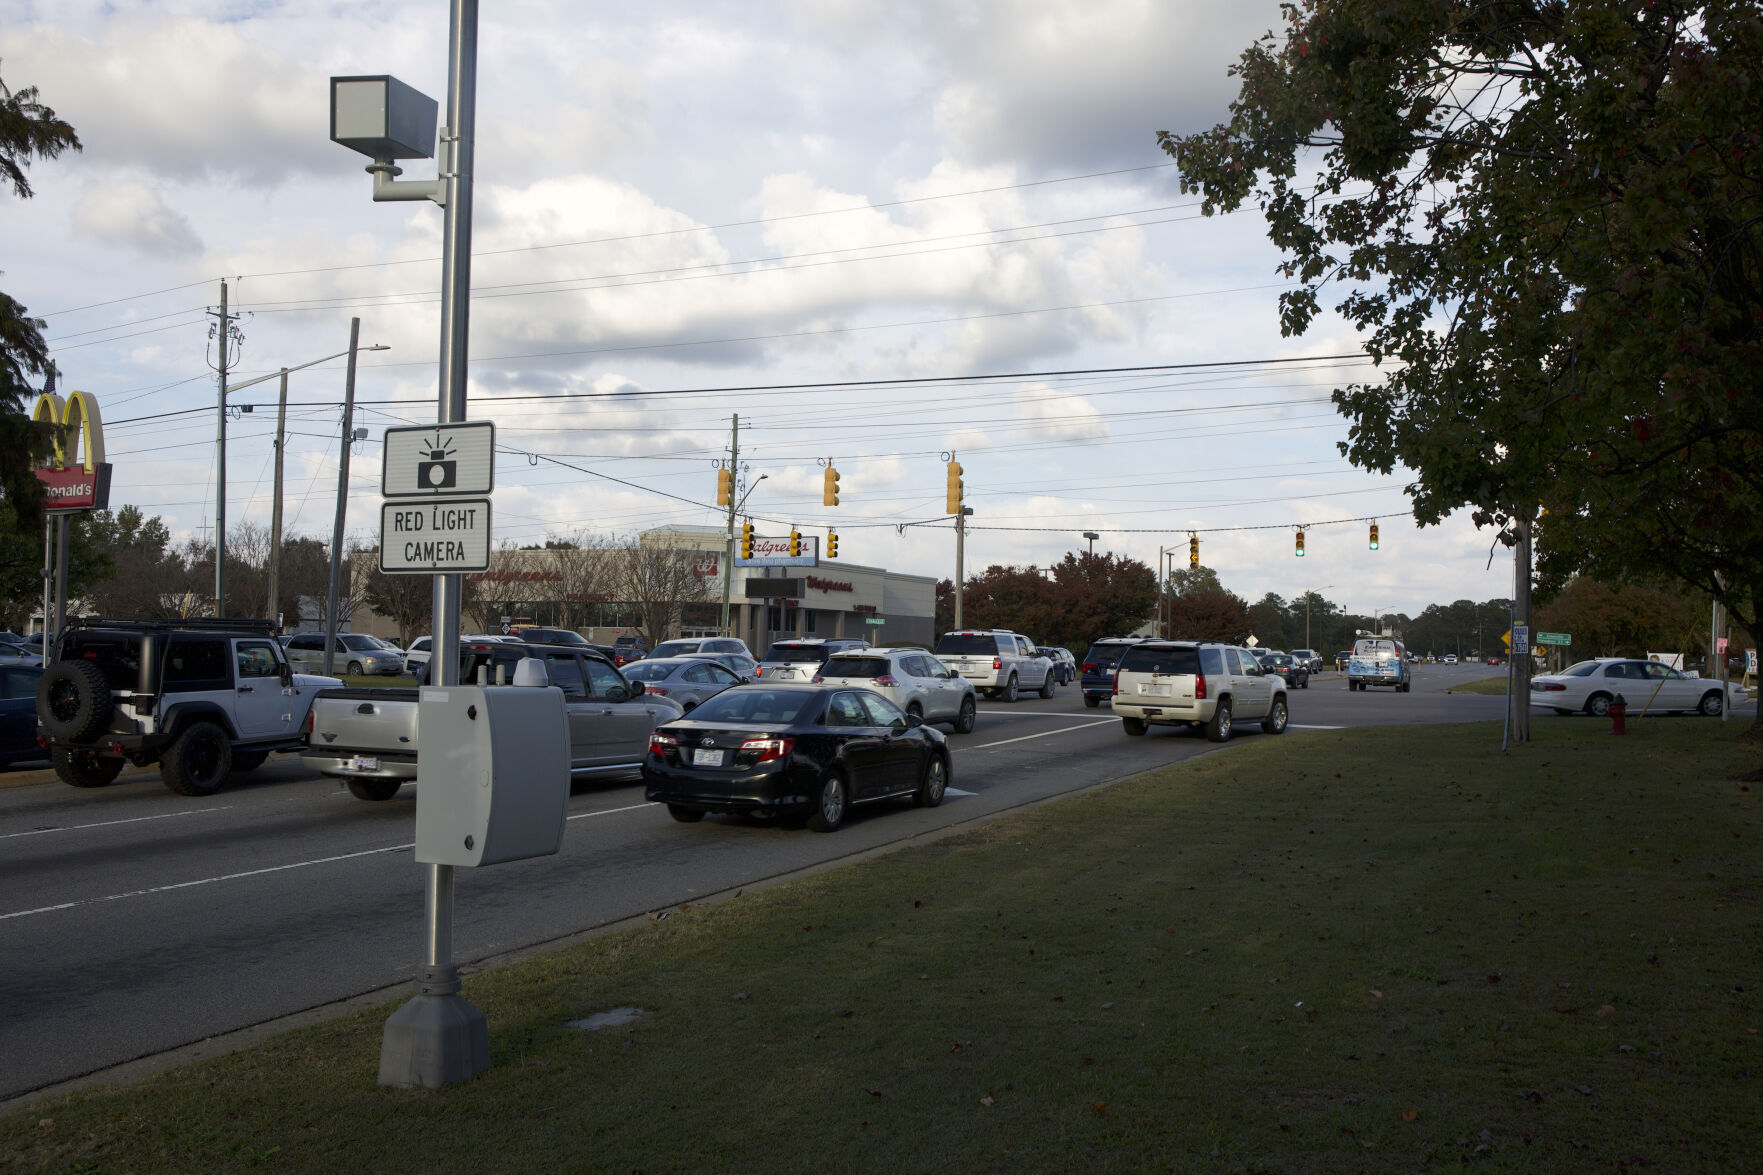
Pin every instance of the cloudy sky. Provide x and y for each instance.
(878, 233)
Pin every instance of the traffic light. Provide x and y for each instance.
(956, 490)
(746, 540)
(1193, 550)
(795, 542)
(1374, 536)
(725, 487)
(1300, 544)
(832, 545)
(829, 493)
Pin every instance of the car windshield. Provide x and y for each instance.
(675, 648)
(746, 704)
(856, 667)
(796, 654)
(1161, 659)
(1582, 669)
(648, 670)
(967, 644)
(1103, 656)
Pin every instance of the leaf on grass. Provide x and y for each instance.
(1376, 995)
(740, 995)
(987, 1100)
(1410, 1115)
(1099, 1108)
(875, 1093)
(1607, 1010)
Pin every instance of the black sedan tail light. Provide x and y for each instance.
(660, 744)
(764, 749)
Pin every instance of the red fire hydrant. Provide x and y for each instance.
(1619, 716)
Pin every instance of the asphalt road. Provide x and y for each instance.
(136, 921)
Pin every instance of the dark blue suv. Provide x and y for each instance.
(1098, 668)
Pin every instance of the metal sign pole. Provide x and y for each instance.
(439, 1038)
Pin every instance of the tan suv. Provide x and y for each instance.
(1199, 684)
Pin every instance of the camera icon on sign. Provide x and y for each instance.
(435, 471)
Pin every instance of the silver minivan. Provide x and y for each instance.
(1199, 684)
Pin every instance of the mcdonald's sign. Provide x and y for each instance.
(76, 476)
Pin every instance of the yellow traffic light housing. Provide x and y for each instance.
(832, 544)
(725, 487)
(746, 540)
(1193, 550)
(1300, 544)
(956, 490)
(795, 542)
(1374, 536)
(829, 493)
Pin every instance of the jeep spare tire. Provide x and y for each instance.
(73, 701)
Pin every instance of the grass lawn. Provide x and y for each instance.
(1488, 685)
(1384, 949)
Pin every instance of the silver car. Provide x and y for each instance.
(687, 680)
(353, 653)
(912, 679)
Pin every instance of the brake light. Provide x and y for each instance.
(886, 679)
(1199, 687)
(770, 748)
(816, 679)
(1548, 686)
(660, 744)
(311, 721)
(997, 664)
(1117, 681)
(1091, 667)
(650, 688)
(758, 672)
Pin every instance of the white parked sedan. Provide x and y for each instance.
(1649, 686)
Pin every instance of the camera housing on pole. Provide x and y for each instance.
(386, 120)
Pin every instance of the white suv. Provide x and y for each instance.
(1198, 684)
(999, 662)
(910, 678)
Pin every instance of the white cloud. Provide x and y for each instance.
(133, 214)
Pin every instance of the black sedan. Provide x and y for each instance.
(808, 750)
(1296, 672)
(18, 715)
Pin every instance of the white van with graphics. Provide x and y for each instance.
(1378, 660)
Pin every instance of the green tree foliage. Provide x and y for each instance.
(1087, 597)
(21, 567)
(1625, 620)
(27, 129)
(1547, 219)
(148, 578)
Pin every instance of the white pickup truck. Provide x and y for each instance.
(368, 737)
(999, 663)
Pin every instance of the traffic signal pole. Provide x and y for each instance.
(728, 562)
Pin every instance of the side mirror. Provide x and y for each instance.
(636, 689)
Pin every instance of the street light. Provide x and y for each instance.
(1308, 592)
(1092, 536)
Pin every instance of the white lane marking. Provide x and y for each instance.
(139, 893)
(610, 811)
(1295, 726)
(1035, 714)
(1043, 734)
(109, 823)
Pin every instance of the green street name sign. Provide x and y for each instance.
(1554, 638)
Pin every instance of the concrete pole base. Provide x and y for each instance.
(436, 1039)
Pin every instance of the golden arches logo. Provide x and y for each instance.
(79, 428)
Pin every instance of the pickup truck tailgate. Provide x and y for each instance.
(370, 720)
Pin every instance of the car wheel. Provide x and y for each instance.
(1092, 701)
(1711, 705)
(1133, 726)
(198, 762)
(1598, 705)
(73, 701)
(1405, 686)
(1010, 689)
(374, 790)
(1047, 685)
(249, 760)
(1218, 730)
(355, 668)
(964, 720)
(685, 815)
(831, 803)
(83, 768)
(1275, 722)
(934, 784)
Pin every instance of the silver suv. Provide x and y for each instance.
(800, 659)
(910, 678)
(1198, 684)
(999, 662)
